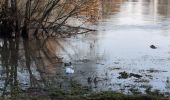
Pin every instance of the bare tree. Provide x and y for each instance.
(47, 17)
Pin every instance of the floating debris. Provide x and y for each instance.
(83, 60)
(168, 83)
(135, 75)
(117, 68)
(89, 80)
(95, 82)
(69, 68)
(116, 62)
(149, 76)
(153, 47)
(123, 75)
(155, 71)
(99, 63)
(67, 64)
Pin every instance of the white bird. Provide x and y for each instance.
(69, 68)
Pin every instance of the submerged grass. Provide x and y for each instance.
(119, 96)
(108, 95)
(78, 92)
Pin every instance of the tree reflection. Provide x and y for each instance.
(9, 63)
(163, 7)
(26, 68)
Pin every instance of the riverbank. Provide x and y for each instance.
(78, 92)
(107, 95)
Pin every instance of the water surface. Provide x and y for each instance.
(126, 29)
(122, 43)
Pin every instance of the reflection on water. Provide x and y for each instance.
(28, 67)
(164, 8)
(99, 9)
(122, 45)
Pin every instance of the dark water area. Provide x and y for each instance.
(117, 57)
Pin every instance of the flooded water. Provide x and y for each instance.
(126, 30)
(122, 44)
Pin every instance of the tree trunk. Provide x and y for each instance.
(14, 15)
(25, 29)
